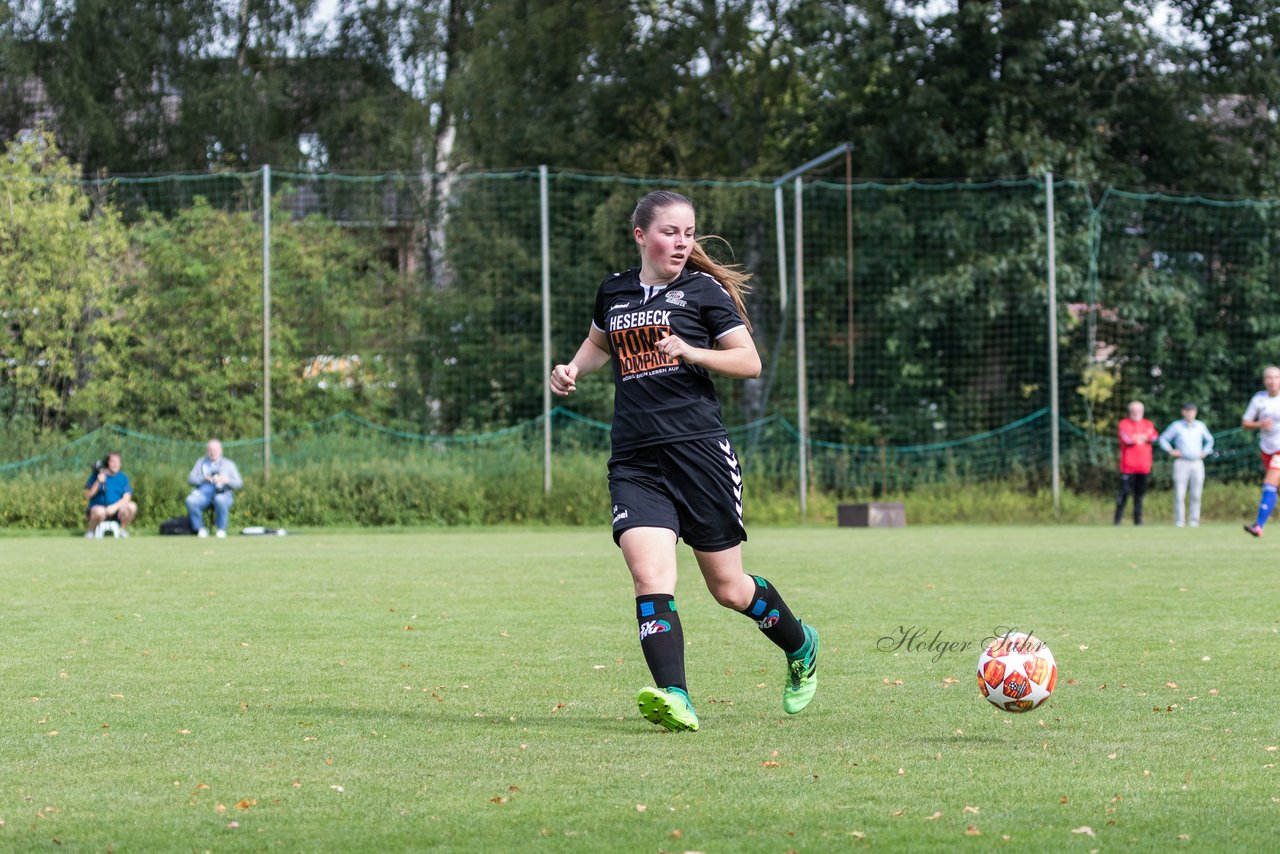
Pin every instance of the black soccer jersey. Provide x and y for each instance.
(658, 399)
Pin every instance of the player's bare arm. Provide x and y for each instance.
(734, 355)
(591, 356)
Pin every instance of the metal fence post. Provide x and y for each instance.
(266, 324)
(544, 212)
(1054, 433)
(802, 386)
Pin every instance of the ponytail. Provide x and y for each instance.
(731, 276)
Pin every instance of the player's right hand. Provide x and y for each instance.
(563, 379)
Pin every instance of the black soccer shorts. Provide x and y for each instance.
(693, 488)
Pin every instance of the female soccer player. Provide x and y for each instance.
(666, 326)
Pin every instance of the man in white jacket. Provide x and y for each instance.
(214, 479)
(1188, 441)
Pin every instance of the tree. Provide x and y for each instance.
(328, 323)
(62, 258)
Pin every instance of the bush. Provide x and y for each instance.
(457, 489)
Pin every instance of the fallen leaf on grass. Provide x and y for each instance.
(641, 807)
(1184, 836)
(971, 810)
(1085, 830)
(770, 763)
(498, 800)
(857, 834)
(557, 707)
(937, 815)
(972, 830)
(233, 824)
(245, 803)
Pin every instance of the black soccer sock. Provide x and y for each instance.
(662, 639)
(774, 618)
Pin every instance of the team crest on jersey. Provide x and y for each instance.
(676, 298)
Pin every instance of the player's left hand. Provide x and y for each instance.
(675, 347)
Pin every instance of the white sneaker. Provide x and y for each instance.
(88, 535)
(122, 533)
(222, 534)
(202, 533)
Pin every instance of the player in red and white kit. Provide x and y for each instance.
(1263, 414)
(666, 326)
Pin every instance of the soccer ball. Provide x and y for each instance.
(1017, 672)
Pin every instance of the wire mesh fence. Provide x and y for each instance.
(412, 305)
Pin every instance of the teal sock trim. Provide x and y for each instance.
(804, 649)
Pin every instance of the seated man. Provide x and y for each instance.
(215, 478)
(110, 497)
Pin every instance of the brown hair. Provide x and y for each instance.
(731, 276)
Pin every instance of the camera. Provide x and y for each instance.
(99, 465)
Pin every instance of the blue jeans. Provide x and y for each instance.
(199, 501)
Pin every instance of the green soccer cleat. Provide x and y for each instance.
(802, 675)
(670, 708)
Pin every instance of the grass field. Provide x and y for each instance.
(474, 690)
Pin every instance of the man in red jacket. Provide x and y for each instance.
(1136, 435)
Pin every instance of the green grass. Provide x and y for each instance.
(474, 690)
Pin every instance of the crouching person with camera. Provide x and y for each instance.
(214, 479)
(110, 497)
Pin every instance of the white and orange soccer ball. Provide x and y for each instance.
(1017, 672)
